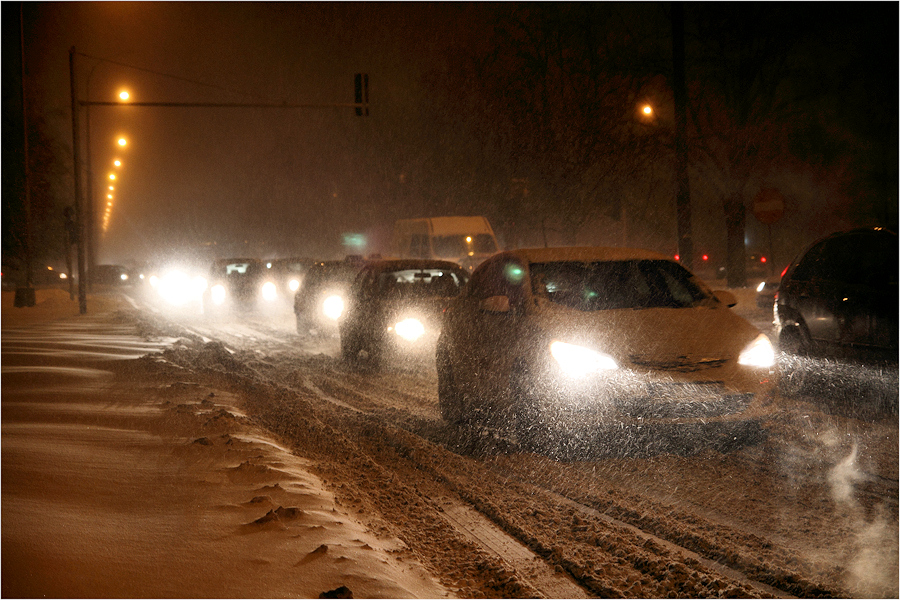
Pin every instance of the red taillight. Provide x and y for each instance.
(785, 270)
(677, 257)
(762, 259)
(706, 257)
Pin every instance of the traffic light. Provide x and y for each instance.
(362, 94)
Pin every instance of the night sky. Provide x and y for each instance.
(279, 182)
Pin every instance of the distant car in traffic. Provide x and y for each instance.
(395, 307)
(177, 284)
(839, 297)
(110, 275)
(320, 300)
(238, 284)
(287, 274)
(564, 341)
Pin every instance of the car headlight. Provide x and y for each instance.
(173, 287)
(410, 329)
(759, 353)
(294, 285)
(217, 293)
(578, 361)
(269, 291)
(333, 307)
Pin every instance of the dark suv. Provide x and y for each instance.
(396, 306)
(840, 297)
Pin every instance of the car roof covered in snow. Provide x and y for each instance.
(584, 254)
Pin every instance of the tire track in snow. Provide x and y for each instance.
(480, 527)
(327, 376)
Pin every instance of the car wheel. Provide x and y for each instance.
(449, 397)
(794, 368)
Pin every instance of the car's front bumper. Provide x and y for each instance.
(644, 398)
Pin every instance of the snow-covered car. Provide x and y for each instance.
(238, 284)
(320, 300)
(565, 341)
(395, 307)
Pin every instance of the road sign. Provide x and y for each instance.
(768, 206)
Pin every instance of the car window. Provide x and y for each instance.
(606, 285)
(854, 259)
(232, 268)
(421, 283)
(500, 276)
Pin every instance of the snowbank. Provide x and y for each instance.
(134, 478)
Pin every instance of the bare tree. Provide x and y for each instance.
(551, 105)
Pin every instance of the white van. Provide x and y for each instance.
(466, 241)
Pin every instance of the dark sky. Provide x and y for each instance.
(281, 180)
(294, 181)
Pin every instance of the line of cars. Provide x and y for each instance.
(552, 340)
(551, 343)
(548, 342)
(228, 285)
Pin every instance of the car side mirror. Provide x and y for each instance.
(725, 297)
(496, 304)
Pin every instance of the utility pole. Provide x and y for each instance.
(682, 183)
(25, 295)
(79, 217)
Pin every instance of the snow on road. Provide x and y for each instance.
(805, 506)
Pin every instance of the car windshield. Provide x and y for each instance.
(421, 283)
(462, 245)
(607, 285)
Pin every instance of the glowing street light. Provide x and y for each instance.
(122, 142)
(117, 162)
(124, 95)
(112, 176)
(647, 110)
